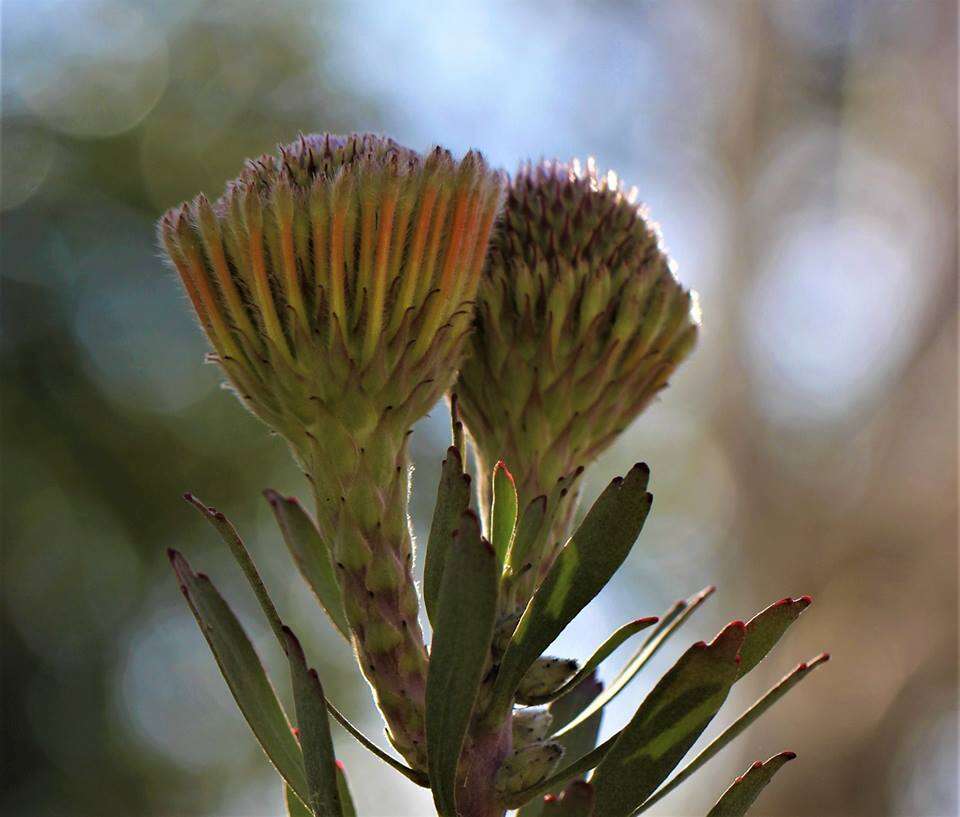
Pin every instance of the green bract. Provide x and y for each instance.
(338, 285)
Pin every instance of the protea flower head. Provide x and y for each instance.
(580, 322)
(335, 282)
(333, 279)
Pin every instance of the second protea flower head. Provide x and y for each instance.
(333, 280)
(580, 322)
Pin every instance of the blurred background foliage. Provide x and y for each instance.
(801, 158)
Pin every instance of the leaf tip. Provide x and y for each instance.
(180, 566)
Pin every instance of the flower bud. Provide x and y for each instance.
(527, 766)
(335, 279)
(580, 323)
(530, 725)
(545, 675)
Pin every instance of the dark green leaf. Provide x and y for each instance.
(601, 654)
(737, 727)
(246, 563)
(672, 621)
(565, 709)
(504, 513)
(314, 732)
(243, 673)
(463, 629)
(311, 555)
(583, 567)
(765, 629)
(746, 788)
(295, 808)
(453, 498)
(667, 724)
(230, 536)
(578, 742)
(456, 425)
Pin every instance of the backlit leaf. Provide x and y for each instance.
(581, 570)
(466, 612)
(667, 724)
(746, 788)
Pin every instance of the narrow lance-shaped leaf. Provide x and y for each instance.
(765, 629)
(602, 653)
(531, 526)
(668, 723)
(250, 571)
(295, 808)
(463, 629)
(746, 788)
(229, 534)
(411, 774)
(244, 674)
(314, 732)
(453, 499)
(583, 567)
(576, 744)
(737, 728)
(504, 512)
(311, 555)
(671, 622)
(456, 426)
(565, 709)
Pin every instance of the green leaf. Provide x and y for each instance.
(244, 674)
(504, 512)
(565, 709)
(314, 732)
(746, 788)
(311, 555)
(250, 571)
(602, 653)
(295, 808)
(453, 499)
(582, 740)
(740, 725)
(346, 799)
(412, 775)
(583, 567)
(466, 614)
(456, 425)
(576, 800)
(671, 622)
(531, 524)
(668, 723)
(765, 629)
(230, 536)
